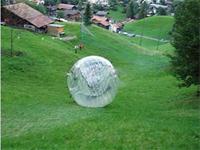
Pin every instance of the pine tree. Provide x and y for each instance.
(3, 2)
(143, 10)
(161, 11)
(186, 40)
(87, 15)
(60, 14)
(132, 9)
(162, 2)
(113, 4)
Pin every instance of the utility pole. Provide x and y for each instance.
(141, 36)
(158, 42)
(11, 42)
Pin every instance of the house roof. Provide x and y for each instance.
(101, 13)
(118, 25)
(65, 6)
(71, 12)
(105, 23)
(29, 14)
(101, 20)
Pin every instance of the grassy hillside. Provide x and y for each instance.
(117, 15)
(156, 26)
(149, 111)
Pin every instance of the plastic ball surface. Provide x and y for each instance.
(93, 82)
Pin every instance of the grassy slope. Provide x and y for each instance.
(156, 26)
(117, 15)
(149, 111)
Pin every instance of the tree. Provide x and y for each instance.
(50, 2)
(74, 2)
(60, 14)
(98, 7)
(3, 2)
(185, 38)
(87, 15)
(162, 2)
(161, 11)
(113, 4)
(41, 8)
(143, 10)
(80, 5)
(175, 3)
(132, 9)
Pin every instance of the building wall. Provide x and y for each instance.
(11, 19)
(55, 31)
(75, 17)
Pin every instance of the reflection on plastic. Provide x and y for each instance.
(93, 82)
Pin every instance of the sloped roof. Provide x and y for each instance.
(71, 12)
(105, 23)
(118, 25)
(65, 6)
(101, 13)
(29, 14)
(101, 20)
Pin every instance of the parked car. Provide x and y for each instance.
(124, 33)
(131, 35)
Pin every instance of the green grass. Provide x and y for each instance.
(156, 26)
(117, 15)
(149, 111)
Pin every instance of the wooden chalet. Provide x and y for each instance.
(72, 15)
(22, 15)
(62, 6)
(101, 21)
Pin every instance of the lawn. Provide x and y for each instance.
(149, 111)
(117, 15)
(156, 27)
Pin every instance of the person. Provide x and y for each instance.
(81, 46)
(75, 48)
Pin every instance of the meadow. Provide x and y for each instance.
(157, 27)
(150, 111)
(117, 14)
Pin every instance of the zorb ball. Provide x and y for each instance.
(93, 82)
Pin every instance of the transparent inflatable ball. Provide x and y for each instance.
(93, 82)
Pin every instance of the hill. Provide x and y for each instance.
(118, 14)
(156, 27)
(149, 111)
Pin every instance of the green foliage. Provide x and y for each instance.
(143, 10)
(161, 11)
(113, 4)
(74, 2)
(175, 3)
(60, 14)
(162, 2)
(41, 8)
(80, 5)
(119, 14)
(98, 7)
(186, 39)
(3, 2)
(87, 15)
(51, 2)
(132, 9)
